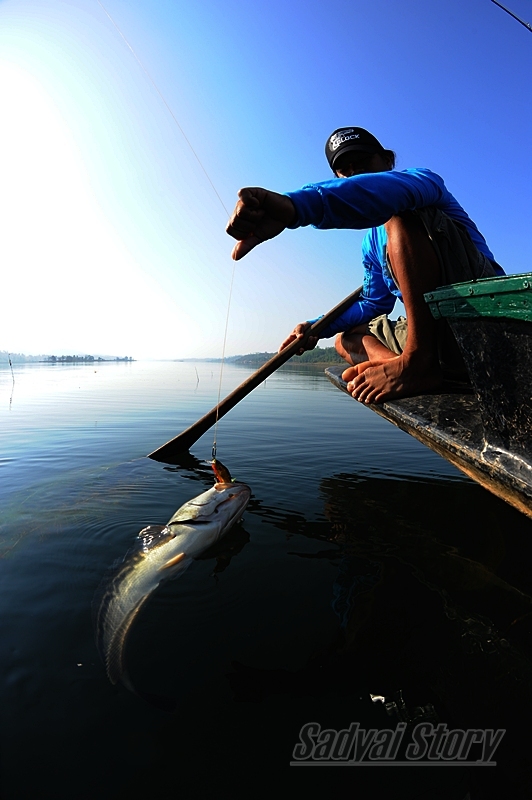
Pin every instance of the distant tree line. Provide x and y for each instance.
(320, 355)
(85, 359)
(20, 358)
(61, 359)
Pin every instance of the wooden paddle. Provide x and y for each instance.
(169, 452)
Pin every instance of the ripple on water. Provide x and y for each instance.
(342, 502)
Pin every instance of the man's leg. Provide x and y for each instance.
(357, 346)
(417, 270)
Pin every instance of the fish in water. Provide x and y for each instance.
(161, 552)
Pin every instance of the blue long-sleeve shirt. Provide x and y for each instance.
(369, 201)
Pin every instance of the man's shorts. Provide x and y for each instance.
(460, 260)
(390, 332)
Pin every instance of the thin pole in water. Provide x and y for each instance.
(13, 377)
(527, 25)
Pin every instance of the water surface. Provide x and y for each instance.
(364, 563)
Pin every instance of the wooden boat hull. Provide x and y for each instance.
(450, 422)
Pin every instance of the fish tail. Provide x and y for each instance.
(114, 655)
(117, 670)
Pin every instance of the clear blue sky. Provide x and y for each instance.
(112, 238)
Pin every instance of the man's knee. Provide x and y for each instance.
(350, 342)
(407, 224)
(338, 346)
(410, 250)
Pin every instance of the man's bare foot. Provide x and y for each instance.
(350, 373)
(393, 378)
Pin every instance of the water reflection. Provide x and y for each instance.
(353, 572)
(421, 610)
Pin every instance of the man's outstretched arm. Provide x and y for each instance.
(259, 215)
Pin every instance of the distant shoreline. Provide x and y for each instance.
(43, 358)
(320, 356)
(82, 359)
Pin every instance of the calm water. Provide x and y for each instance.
(364, 563)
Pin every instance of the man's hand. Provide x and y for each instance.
(297, 333)
(259, 215)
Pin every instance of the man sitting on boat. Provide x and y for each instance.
(419, 238)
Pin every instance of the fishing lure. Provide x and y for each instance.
(221, 472)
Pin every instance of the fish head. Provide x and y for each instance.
(222, 505)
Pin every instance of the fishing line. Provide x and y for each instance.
(527, 25)
(185, 137)
(222, 367)
(139, 62)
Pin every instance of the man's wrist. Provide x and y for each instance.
(294, 222)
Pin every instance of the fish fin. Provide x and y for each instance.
(173, 561)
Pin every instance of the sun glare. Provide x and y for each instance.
(69, 282)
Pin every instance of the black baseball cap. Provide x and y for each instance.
(343, 140)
